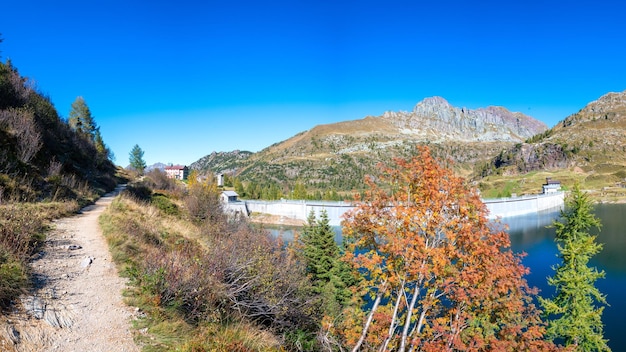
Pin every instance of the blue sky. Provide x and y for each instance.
(185, 78)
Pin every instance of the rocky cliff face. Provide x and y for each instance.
(434, 119)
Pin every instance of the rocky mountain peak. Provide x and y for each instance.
(434, 119)
(431, 104)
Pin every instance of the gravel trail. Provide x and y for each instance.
(77, 302)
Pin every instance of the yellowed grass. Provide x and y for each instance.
(162, 329)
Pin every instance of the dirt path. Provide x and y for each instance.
(77, 304)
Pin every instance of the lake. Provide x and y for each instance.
(529, 234)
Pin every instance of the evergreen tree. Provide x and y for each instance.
(577, 320)
(239, 188)
(329, 275)
(81, 120)
(136, 159)
(299, 191)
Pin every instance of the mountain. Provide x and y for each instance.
(434, 119)
(339, 155)
(155, 166)
(223, 162)
(592, 141)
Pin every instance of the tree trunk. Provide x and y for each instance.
(370, 317)
(409, 313)
(392, 326)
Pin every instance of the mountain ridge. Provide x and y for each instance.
(339, 155)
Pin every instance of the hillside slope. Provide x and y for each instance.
(339, 155)
(591, 142)
(41, 157)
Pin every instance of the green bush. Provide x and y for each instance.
(164, 204)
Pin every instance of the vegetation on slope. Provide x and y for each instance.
(48, 169)
(206, 281)
(587, 147)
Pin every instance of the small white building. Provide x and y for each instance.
(551, 186)
(229, 196)
(232, 206)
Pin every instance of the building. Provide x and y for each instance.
(229, 196)
(551, 186)
(177, 172)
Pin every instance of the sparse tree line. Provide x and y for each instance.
(420, 269)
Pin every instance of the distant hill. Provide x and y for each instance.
(223, 162)
(592, 140)
(41, 157)
(339, 155)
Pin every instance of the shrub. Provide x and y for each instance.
(221, 271)
(139, 191)
(164, 204)
(13, 277)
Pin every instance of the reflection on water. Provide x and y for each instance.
(532, 235)
(287, 232)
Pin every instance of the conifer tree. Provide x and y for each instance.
(81, 120)
(576, 316)
(329, 275)
(136, 159)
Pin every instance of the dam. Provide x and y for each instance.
(300, 209)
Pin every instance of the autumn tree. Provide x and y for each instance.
(136, 159)
(575, 315)
(435, 276)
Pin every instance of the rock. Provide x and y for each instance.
(86, 262)
(34, 306)
(13, 334)
(74, 247)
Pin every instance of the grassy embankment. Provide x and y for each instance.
(602, 184)
(201, 283)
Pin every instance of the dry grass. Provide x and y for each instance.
(176, 282)
(602, 186)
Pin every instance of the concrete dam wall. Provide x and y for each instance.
(503, 207)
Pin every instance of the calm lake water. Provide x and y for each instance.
(529, 234)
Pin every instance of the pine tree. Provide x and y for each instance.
(81, 120)
(136, 159)
(329, 275)
(577, 319)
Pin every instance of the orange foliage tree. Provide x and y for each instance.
(435, 275)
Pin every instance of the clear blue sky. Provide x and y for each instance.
(185, 78)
